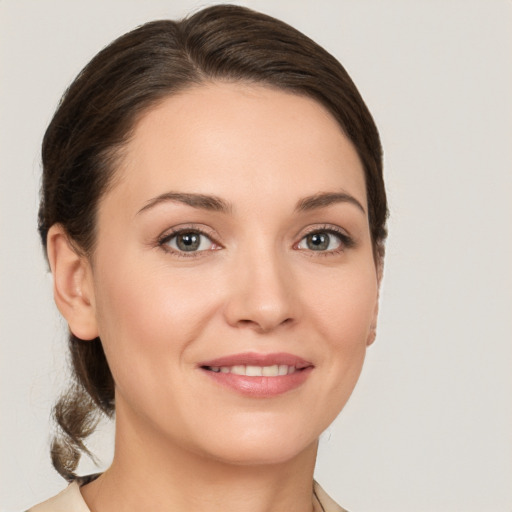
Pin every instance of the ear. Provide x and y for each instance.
(73, 289)
(372, 333)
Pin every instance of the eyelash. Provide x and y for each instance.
(346, 242)
(167, 237)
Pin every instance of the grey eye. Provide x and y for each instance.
(190, 241)
(320, 241)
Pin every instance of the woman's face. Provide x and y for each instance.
(234, 285)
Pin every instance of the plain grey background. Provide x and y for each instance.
(429, 425)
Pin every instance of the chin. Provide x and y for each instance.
(261, 446)
(261, 456)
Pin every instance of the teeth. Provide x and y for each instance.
(270, 371)
(238, 370)
(255, 371)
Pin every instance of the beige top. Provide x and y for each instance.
(70, 500)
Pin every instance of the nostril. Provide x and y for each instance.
(262, 325)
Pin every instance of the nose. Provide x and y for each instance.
(262, 294)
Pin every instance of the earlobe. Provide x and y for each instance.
(73, 289)
(372, 333)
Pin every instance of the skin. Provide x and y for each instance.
(182, 441)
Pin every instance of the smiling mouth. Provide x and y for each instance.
(258, 375)
(275, 370)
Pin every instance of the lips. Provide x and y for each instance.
(258, 375)
(255, 359)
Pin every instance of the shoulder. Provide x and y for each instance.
(325, 502)
(68, 500)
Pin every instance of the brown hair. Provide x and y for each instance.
(97, 114)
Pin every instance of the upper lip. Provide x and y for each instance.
(256, 359)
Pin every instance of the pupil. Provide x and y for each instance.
(318, 241)
(188, 241)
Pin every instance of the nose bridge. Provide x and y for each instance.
(263, 290)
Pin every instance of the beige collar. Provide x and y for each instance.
(71, 500)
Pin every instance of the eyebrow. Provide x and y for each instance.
(201, 201)
(324, 199)
(216, 204)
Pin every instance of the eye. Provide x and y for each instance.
(325, 240)
(188, 241)
(320, 241)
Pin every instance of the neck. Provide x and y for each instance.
(151, 473)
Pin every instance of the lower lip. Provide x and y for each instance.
(260, 387)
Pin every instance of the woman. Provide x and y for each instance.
(213, 212)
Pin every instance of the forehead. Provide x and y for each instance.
(231, 139)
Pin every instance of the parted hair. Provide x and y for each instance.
(96, 117)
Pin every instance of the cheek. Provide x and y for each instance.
(149, 311)
(147, 320)
(149, 316)
(344, 307)
(343, 314)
